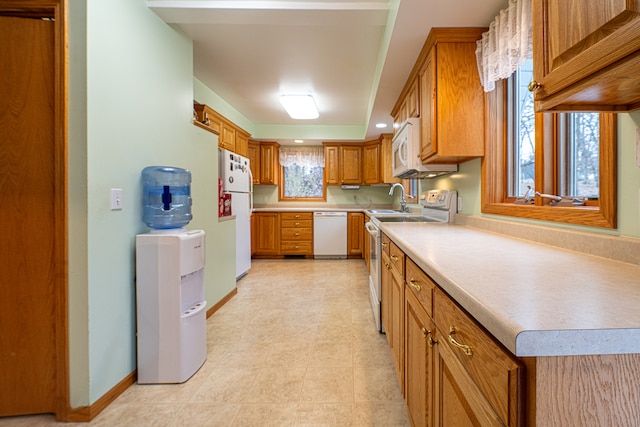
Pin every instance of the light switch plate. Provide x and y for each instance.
(116, 199)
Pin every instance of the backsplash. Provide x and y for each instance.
(364, 198)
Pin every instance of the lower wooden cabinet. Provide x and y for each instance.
(296, 233)
(419, 349)
(265, 234)
(452, 372)
(355, 234)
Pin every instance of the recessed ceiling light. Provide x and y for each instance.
(381, 125)
(301, 107)
(298, 141)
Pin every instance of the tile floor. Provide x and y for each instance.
(295, 347)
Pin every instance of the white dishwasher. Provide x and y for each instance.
(330, 235)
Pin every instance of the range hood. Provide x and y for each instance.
(428, 171)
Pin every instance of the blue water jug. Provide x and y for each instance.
(166, 197)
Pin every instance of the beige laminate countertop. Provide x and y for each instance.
(537, 300)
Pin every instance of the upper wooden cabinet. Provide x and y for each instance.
(230, 136)
(253, 153)
(371, 173)
(408, 104)
(343, 163)
(586, 61)
(451, 97)
(269, 163)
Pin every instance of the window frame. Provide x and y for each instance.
(283, 198)
(494, 200)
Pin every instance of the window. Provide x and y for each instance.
(302, 174)
(567, 154)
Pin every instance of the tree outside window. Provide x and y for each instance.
(302, 176)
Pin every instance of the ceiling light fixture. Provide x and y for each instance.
(298, 141)
(301, 107)
(381, 125)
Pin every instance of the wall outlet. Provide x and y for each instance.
(116, 199)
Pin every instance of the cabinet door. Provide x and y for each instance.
(586, 58)
(419, 339)
(397, 322)
(227, 137)
(269, 163)
(332, 164)
(458, 402)
(351, 164)
(386, 166)
(385, 284)
(355, 236)
(267, 233)
(428, 145)
(371, 163)
(242, 143)
(253, 153)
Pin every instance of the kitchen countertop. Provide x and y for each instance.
(536, 299)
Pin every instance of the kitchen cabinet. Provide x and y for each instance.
(408, 104)
(419, 345)
(371, 162)
(419, 359)
(476, 379)
(242, 143)
(253, 153)
(396, 297)
(296, 233)
(386, 165)
(586, 61)
(265, 234)
(452, 371)
(343, 163)
(269, 163)
(451, 97)
(230, 136)
(355, 234)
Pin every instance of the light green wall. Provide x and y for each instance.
(130, 101)
(468, 184)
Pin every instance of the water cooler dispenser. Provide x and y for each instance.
(171, 308)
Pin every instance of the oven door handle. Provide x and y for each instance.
(372, 229)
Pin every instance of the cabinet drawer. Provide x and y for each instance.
(397, 258)
(296, 248)
(494, 370)
(295, 223)
(296, 234)
(296, 216)
(386, 243)
(421, 285)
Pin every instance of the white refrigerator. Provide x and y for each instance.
(237, 180)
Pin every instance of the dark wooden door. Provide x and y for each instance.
(29, 249)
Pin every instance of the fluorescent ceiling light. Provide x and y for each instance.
(298, 141)
(301, 107)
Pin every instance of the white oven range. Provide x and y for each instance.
(438, 206)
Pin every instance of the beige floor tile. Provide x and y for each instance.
(325, 414)
(277, 385)
(331, 354)
(225, 385)
(206, 414)
(392, 414)
(328, 385)
(375, 384)
(266, 414)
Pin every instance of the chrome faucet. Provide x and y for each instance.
(403, 202)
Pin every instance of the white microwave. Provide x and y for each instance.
(405, 158)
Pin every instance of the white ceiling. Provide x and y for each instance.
(353, 56)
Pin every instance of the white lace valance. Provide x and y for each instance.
(302, 156)
(507, 44)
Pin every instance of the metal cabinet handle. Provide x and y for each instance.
(534, 86)
(394, 258)
(296, 224)
(386, 264)
(384, 244)
(427, 334)
(465, 348)
(414, 285)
